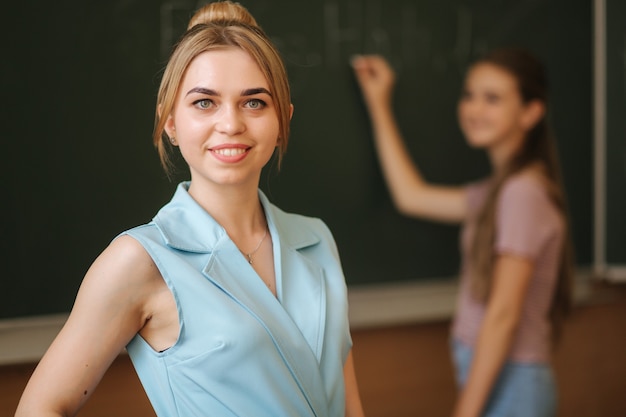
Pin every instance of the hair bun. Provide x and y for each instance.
(222, 11)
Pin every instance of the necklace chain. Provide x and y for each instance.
(249, 254)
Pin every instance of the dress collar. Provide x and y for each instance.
(186, 226)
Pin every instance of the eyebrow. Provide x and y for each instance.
(253, 91)
(248, 92)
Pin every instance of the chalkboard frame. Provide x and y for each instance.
(608, 180)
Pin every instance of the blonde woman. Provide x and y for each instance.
(227, 305)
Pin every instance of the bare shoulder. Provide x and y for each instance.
(124, 277)
(127, 249)
(126, 259)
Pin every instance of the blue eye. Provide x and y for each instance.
(255, 104)
(204, 103)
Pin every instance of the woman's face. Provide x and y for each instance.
(224, 119)
(491, 112)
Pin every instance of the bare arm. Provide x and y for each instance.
(107, 313)
(353, 400)
(412, 195)
(511, 279)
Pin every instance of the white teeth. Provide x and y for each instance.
(229, 151)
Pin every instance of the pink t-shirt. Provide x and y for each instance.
(529, 225)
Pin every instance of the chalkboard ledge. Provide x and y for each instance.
(613, 273)
(389, 304)
(25, 340)
(380, 305)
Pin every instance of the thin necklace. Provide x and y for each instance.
(249, 255)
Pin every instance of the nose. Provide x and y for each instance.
(230, 121)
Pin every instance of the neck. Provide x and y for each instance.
(237, 209)
(501, 155)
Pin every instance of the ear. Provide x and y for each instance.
(170, 127)
(533, 113)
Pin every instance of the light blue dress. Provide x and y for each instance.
(241, 351)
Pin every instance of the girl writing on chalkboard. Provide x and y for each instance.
(227, 305)
(516, 267)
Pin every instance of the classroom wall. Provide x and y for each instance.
(85, 169)
(406, 371)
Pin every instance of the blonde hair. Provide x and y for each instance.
(216, 26)
(225, 11)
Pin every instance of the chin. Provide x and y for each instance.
(477, 142)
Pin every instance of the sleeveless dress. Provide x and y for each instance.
(241, 351)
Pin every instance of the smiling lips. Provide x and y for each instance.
(230, 152)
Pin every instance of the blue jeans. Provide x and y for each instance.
(521, 389)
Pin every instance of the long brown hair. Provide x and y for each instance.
(215, 26)
(539, 147)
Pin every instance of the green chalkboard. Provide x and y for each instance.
(615, 169)
(79, 84)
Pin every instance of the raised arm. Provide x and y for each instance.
(411, 194)
(108, 312)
